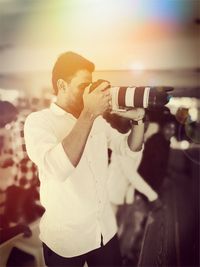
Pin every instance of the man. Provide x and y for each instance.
(69, 142)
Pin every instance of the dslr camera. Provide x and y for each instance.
(129, 97)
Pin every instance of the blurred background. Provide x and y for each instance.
(131, 42)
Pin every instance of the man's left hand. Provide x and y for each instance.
(135, 114)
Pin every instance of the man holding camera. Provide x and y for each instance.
(69, 142)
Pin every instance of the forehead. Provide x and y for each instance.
(83, 75)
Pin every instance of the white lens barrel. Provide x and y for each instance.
(129, 97)
(146, 97)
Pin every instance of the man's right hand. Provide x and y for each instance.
(95, 103)
(98, 101)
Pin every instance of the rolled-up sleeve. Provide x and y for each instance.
(45, 150)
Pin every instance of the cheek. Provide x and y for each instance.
(79, 96)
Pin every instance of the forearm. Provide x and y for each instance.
(136, 137)
(74, 143)
(143, 187)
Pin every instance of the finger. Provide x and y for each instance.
(102, 87)
(139, 109)
(107, 99)
(107, 93)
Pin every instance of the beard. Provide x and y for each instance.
(76, 107)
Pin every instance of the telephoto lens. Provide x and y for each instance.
(139, 96)
(128, 97)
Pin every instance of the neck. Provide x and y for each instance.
(69, 108)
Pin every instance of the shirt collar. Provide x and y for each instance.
(59, 111)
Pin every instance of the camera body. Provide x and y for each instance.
(129, 97)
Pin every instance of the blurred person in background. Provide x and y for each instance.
(25, 174)
(154, 163)
(124, 183)
(8, 113)
(10, 223)
(69, 143)
(21, 193)
(124, 180)
(123, 175)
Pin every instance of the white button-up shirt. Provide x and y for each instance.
(77, 208)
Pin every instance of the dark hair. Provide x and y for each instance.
(7, 108)
(8, 113)
(67, 65)
(167, 120)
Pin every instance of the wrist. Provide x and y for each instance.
(88, 115)
(137, 122)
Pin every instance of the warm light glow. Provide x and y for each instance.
(175, 144)
(176, 103)
(185, 145)
(9, 95)
(137, 66)
(112, 33)
(194, 113)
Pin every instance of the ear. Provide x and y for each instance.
(61, 84)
